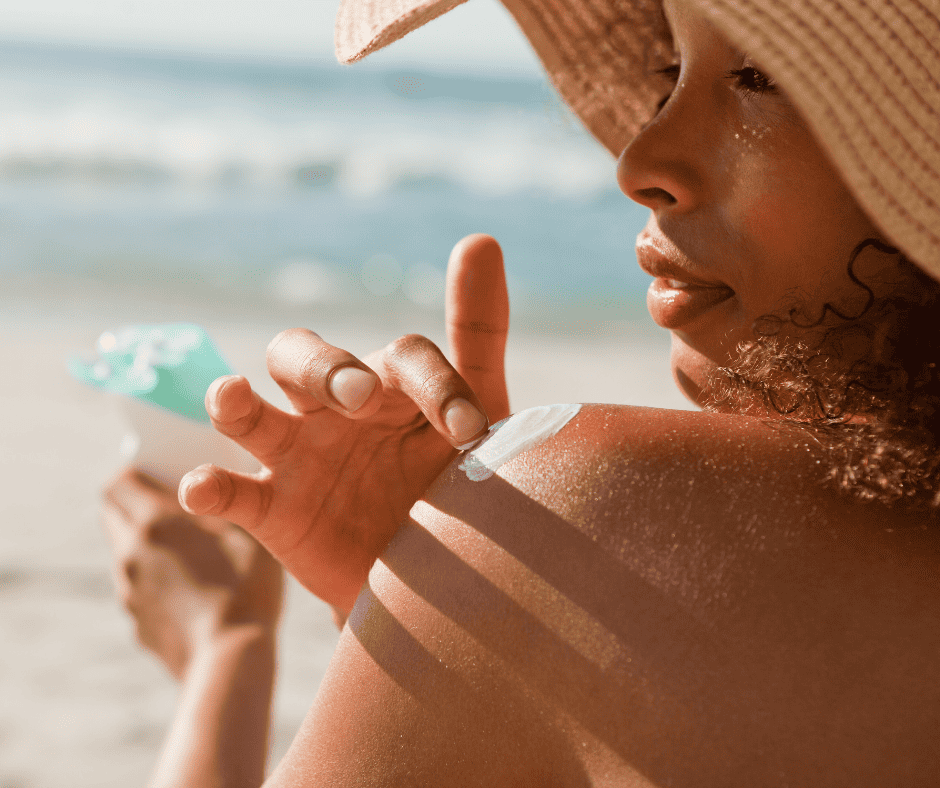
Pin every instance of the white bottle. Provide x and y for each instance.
(166, 446)
(160, 374)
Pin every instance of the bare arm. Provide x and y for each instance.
(219, 735)
(205, 599)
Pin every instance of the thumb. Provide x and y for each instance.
(477, 320)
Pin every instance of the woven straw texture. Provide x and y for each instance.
(865, 74)
(364, 27)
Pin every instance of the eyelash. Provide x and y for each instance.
(751, 80)
(759, 81)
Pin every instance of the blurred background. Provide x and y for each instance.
(249, 169)
(209, 161)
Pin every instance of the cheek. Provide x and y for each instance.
(780, 221)
(783, 265)
(772, 217)
(800, 221)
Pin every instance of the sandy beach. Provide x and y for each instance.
(80, 703)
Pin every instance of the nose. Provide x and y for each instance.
(662, 168)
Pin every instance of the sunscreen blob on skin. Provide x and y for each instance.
(514, 435)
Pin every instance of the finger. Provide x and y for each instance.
(478, 319)
(136, 498)
(126, 566)
(239, 413)
(237, 497)
(415, 366)
(313, 373)
(120, 530)
(133, 504)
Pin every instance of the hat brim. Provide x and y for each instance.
(601, 57)
(866, 79)
(364, 27)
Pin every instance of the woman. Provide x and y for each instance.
(621, 596)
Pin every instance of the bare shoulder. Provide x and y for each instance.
(647, 597)
(688, 496)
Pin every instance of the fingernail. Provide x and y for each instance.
(351, 387)
(463, 420)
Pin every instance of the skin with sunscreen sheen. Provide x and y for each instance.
(514, 435)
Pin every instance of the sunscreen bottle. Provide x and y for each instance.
(160, 374)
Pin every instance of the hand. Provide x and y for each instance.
(367, 439)
(186, 580)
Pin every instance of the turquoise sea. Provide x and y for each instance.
(289, 184)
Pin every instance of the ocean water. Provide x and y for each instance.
(291, 184)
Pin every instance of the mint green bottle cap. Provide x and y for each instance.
(170, 365)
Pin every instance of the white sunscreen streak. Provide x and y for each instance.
(513, 436)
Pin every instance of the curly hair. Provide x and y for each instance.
(866, 385)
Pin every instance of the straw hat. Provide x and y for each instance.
(865, 74)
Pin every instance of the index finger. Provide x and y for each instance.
(478, 319)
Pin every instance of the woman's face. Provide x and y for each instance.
(748, 217)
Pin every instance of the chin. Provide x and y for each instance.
(693, 372)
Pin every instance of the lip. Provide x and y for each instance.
(676, 297)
